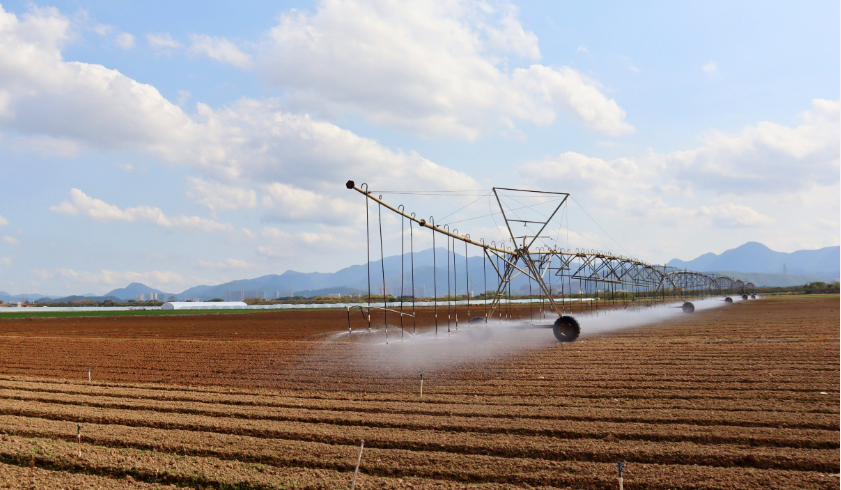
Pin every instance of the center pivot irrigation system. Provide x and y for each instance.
(555, 271)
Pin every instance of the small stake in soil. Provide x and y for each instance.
(359, 460)
(79, 435)
(89, 374)
(421, 393)
(621, 466)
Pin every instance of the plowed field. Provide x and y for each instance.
(742, 396)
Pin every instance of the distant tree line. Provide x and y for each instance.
(811, 288)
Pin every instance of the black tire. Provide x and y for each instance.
(745, 297)
(566, 329)
(728, 299)
(688, 307)
(478, 319)
(752, 296)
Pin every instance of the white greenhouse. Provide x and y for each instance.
(204, 305)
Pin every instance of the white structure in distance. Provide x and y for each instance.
(204, 305)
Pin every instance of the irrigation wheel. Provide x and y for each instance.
(688, 307)
(728, 299)
(745, 297)
(566, 329)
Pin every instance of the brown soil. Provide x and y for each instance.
(743, 396)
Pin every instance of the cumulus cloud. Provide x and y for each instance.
(219, 49)
(766, 157)
(155, 279)
(125, 40)
(162, 40)
(228, 264)
(11, 240)
(250, 142)
(81, 203)
(216, 196)
(710, 67)
(435, 68)
(3, 221)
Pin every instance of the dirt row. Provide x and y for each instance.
(363, 412)
(341, 432)
(744, 396)
(166, 457)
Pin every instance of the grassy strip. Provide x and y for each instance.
(35, 313)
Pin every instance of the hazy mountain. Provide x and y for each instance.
(6, 297)
(133, 289)
(752, 262)
(823, 263)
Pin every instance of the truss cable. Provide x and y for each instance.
(485, 280)
(466, 205)
(434, 274)
(412, 255)
(531, 310)
(467, 278)
(455, 280)
(368, 245)
(449, 301)
(600, 226)
(382, 267)
(402, 269)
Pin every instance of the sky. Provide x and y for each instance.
(186, 143)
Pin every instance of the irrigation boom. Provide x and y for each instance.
(543, 264)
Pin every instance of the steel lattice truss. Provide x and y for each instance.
(545, 265)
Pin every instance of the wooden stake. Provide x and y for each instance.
(89, 374)
(359, 460)
(79, 435)
(421, 393)
(621, 467)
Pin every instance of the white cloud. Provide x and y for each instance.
(162, 41)
(104, 212)
(228, 264)
(127, 167)
(103, 29)
(183, 96)
(42, 274)
(215, 196)
(582, 49)
(219, 49)
(44, 145)
(3, 221)
(125, 40)
(11, 240)
(251, 142)
(437, 69)
(45, 97)
(734, 215)
(766, 157)
(710, 67)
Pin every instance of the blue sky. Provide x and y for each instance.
(178, 143)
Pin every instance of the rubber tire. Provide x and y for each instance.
(745, 297)
(566, 329)
(478, 319)
(688, 307)
(728, 299)
(752, 296)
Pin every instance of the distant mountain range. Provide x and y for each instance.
(824, 263)
(752, 262)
